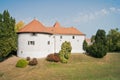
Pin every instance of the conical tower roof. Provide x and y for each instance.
(34, 26)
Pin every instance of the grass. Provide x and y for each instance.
(79, 67)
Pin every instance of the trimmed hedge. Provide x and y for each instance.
(22, 63)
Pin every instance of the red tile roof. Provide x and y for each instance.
(36, 26)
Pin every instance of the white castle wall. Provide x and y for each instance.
(40, 49)
(76, 43)
(45, 44)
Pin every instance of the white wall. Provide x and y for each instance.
(41, 48)
(76, 43)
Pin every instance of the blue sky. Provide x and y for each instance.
(86, 15)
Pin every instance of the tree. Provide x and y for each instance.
(65, 52)
(101, 37)
(7, 34)
(19, 25)
(97, 50)
(113, 40)
(93, 38)
(99, 47)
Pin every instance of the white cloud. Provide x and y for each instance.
(90, 16)
(112, 9)
(104, 12)
(85, 17)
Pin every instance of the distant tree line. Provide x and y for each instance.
(7, 34)
(102, 43)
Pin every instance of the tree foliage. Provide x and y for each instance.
(113, 40)
(93, 38)
(97, 50)
(101, 37)
(65, 52)
(19, 25)
(99, 47)
(7, 34)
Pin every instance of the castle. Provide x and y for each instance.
(36, 40)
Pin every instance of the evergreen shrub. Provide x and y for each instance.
(65, 52)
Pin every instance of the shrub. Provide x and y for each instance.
(28, 58)
(33, 62)
(53, 57)
(99, 48)
(85, 45)
(22, 63)
(65, 52)
(63, 59)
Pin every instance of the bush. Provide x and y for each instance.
(63, 59)
(53, 57)
(28, 58)
(33, 62)
(97, 50)
(65, 52)
(22, 63)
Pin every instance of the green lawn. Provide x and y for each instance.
(79, 67)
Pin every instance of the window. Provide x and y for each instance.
(48, 42)
(31, 43)
(73, 37)
(60, 37)
(53, 36)
(34, 34)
